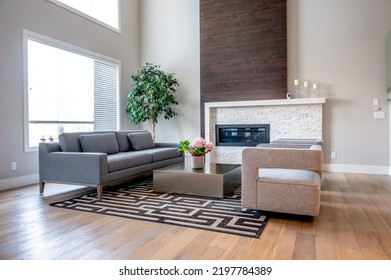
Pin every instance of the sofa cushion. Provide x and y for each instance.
(289, 176)
(120, 161)
(141, 141)
(99, 143)
(159, 154)
(123, 140)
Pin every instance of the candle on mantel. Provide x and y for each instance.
(314, 91)
(305, 89)
(297, 88)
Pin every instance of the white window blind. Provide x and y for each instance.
(68, 91)
(106, 96)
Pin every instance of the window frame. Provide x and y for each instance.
(91, 18)
(29, 35)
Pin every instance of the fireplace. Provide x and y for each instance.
(244, 135)
(288, 118)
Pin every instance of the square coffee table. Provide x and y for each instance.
(214, 180)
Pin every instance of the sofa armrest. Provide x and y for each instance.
(264, 157)
(76, 167)
(48, 147)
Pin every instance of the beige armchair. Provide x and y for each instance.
(286, 180)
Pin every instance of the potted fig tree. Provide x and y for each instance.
(151, 94)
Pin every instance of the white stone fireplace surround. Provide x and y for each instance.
(300, 118)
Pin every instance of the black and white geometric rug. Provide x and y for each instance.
(139, 201)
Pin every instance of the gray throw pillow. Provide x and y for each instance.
(141, 141)
(99, 143)
(123, 141)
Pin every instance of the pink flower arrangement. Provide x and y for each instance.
(198, 147)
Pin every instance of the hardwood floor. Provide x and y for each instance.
(354, 223)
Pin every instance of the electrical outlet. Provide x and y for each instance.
(13, 166)
(333, 155)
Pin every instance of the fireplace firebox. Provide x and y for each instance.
(246, 135)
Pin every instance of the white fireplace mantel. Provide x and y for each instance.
(289, 118)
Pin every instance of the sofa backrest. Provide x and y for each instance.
(70, 141)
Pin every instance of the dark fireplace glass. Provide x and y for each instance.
(242, 135)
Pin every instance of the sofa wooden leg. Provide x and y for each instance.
(41, 186)
(99, 190)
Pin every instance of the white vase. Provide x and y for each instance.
(197, 162)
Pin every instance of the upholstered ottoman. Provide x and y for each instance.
(291, 191)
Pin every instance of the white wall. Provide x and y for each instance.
(44, 17)
(169, 36)
(341, 45)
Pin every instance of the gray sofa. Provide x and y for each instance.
(102, 158)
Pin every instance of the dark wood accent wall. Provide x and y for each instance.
(243, 50)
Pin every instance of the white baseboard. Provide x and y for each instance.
(16, 182)
(354, 168)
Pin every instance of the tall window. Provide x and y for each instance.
(67, 90)
(105, 12)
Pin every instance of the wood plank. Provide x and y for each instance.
(348, 247)
(325, 237)
(264, 247)
(304, 247)
(239, 248)
(174, 248)
(287, 239)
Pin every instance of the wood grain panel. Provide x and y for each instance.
(243, 50)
